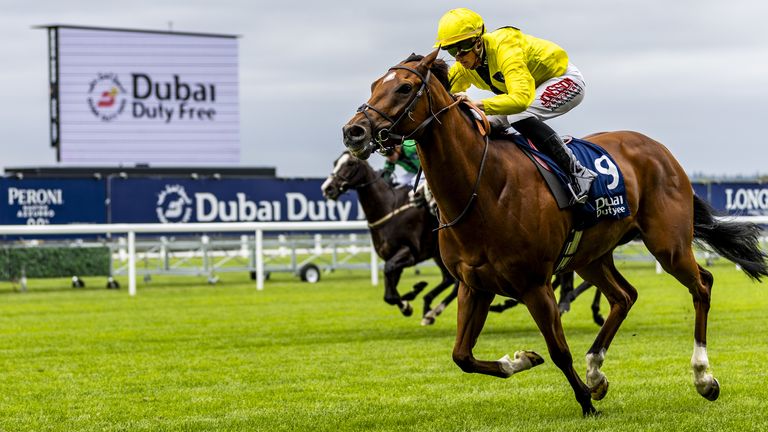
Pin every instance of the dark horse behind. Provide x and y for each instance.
(403, 234)
(504, 232)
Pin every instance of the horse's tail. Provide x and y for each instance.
(739, 242)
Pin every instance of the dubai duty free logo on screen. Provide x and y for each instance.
(151, 99)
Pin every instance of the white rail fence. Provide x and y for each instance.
(131, 230)
(259, 228)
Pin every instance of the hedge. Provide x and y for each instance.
(45, 262)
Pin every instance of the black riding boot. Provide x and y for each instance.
(546, 140)
(581, 176)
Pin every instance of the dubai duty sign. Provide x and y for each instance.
(226, 200)
(162, 98)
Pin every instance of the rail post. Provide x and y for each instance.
(374, 266)
(259, 259)
(132, 263)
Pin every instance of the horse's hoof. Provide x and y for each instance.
(533, 357)
(599, 390)
(496, 308)
(599, 320)
(590, 411)
(406, 309)
(427, 321)
(713, 392)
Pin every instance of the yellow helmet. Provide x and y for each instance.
(458, 25)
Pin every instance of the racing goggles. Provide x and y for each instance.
(461, 48)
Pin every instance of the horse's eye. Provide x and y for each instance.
(405, 88)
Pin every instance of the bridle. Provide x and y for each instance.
(346, 181)
(385, 134)
(343, 188)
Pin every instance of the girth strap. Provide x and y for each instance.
(569, 249)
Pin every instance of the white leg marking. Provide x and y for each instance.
(439, 309)
(520, 363)
(594, 363)
(700, 363)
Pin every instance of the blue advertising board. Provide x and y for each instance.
(184, 200)
(740, 199)
(701, 190)
(52, 201)
(179, 200)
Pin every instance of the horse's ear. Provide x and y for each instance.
(430, 58)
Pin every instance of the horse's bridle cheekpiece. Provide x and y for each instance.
(385, 134)
(345, 181)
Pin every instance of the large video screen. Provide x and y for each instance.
(135, 97)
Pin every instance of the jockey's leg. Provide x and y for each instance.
(419, 196)
(499, 124)
(581, 176)
(550, 143)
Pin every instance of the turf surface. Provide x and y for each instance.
(187, 356)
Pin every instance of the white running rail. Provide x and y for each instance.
(256, 227)
(259, 228)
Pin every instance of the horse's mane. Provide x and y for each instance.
(439, 69)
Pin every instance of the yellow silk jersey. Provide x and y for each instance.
(517, 63)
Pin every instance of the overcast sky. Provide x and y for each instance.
(692, 74)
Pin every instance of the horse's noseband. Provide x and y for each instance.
(346, 181)
(383, 135)
(343, 182)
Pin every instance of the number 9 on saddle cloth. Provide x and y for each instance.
(607, 196)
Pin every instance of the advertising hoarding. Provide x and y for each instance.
(179, 200)
(52, 201)
(740, 199)
(135, 97)
(226, 200)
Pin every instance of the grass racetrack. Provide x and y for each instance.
(184, 355)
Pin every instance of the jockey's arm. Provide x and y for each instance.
(388, 170)
(520, 87)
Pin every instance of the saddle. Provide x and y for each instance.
(607, 196)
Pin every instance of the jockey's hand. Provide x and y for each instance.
(465, 97)
(461, 96)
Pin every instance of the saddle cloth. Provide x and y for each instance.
(607, 197)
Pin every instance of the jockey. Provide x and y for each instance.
(406, 157)
(532, 79)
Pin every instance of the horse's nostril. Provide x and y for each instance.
(354, 132)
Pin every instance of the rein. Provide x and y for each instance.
(385, 135)
(377, 178)
(474, 191)
(391, 214)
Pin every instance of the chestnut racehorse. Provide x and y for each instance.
(503, 231)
